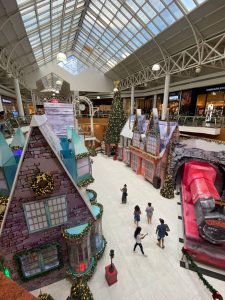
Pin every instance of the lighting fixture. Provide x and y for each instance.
(53, 94)
(98, 97)
(198, 69)
(61, 56)
(115, 90)
(57, 92)
(156, 67)
(58, 82)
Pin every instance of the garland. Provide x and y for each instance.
(45, 296)
(85, 182)
(78, 236)
(17, 257)
(92, 152)
(88, 275)
(99, 215)
(215, 293)
(80, 290)
(94, 198)
(82, 155)
(42, 184)
(3, 203)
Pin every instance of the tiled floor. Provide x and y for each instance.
(157, 276)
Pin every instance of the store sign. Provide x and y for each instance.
(6, 101)
(217, 88)
(175, 97)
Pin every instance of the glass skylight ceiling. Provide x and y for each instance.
(110, 31)
(73, 65)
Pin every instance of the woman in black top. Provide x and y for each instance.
(124, 194)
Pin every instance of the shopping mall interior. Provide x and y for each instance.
(112, 149)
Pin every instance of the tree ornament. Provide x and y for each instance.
(80, 290)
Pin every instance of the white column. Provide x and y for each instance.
(18, 97)
(154, 101)
(166, 96)
(132, 101)
(33, 98)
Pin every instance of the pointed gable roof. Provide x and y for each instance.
(54, 143)
(127, 130)
(18, 139)
(5, 152)
(78, 144)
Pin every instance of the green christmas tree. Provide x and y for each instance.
(116, 120)
(167, 191)
(80, 290)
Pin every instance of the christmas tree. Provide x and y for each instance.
(167, 191)
(116, 120)
(80, 290)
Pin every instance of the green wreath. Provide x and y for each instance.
(42, 184)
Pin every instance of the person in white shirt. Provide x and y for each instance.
(149, 211)
(138, 237)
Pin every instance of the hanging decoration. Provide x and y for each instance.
(42, 184)
(94, 198)
(3, 268)
(215, 293)
(81, 155)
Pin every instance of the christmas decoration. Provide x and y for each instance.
(81, 155)
(42, 184)
(92, 152)
(45, 296)
(79, 236)
(17, 259)
(3, 268)
(116, 120)
(85, 182)
(94, 198)
(3, 203)
(80, 290)
(167, 191)
(215, 293)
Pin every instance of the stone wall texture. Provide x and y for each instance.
(15, 236)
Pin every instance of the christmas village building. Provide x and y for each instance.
(147, 152)
(50, 223)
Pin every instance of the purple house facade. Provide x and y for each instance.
(31, 238)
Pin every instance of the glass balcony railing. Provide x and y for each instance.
(195, 121)
(8, 126)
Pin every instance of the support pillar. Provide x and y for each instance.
(18, 97)
(166, 96)
(33, 98)
(154, 101)
(132, 101)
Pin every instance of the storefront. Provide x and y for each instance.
(9, 106)
(174, 103)
(210, 100)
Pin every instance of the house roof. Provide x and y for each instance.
(5, 152)
(10, 290)
(127, 130)
(40, 121)
(18, 139)
(78, 144)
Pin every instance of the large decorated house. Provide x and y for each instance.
(145, 145)
(50, 224)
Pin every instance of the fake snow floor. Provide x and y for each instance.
(157, 276)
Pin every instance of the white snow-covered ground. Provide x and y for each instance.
(155, 277)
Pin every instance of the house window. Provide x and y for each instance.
(83, 166)
(39, 261)
(44, 214)
(151, 144)
(136, 140)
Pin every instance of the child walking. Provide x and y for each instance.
(138, 237)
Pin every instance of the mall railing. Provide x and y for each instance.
(8, 126)
(197, 121)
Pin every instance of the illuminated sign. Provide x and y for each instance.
(217, 223)
(217, 88)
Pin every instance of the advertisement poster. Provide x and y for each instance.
(185, 102)
(1, 107)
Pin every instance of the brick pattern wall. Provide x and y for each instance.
(15, 236)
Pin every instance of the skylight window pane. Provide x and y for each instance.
(149, 11)
(111, 7)
(167, 17)
(188, 4)
(141, 38)
(153, 29)
(107, 13)
(175, 10)
(167, 2)
(157, 4)
(95, 9)
(132, 5)
(143, 17)
(146, 34)
(159, 23)
(200, 1)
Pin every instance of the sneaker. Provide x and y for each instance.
(145, 255)
(163, 247)
(134, 251)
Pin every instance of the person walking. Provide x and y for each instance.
(124, 194)
(138, 237)
(137, 214)
(161, 232)
(149, 211)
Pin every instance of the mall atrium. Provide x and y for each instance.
(112, 149)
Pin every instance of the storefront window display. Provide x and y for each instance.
(185, 102)
(174, 103)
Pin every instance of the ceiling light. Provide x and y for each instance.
(57, 92)
(53, 94)
(198, 69)
(61, 56)
(58, 82)
(115, 89)
(156, 67)
(98, 97)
